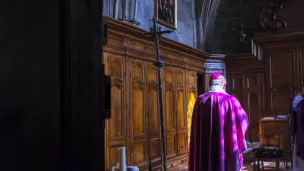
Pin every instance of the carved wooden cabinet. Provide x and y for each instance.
(135, 121)
(265, 79)
(279, 127)
(280, 45)
(264, 86)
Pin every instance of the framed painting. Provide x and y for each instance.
(166, 13)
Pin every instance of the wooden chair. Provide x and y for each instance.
(269, 140)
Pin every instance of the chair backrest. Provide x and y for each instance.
(273, 140)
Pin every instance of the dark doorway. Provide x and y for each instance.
(201, 83)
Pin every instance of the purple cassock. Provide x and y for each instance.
(218, 129)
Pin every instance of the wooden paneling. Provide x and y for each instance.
(169, 101)
(153, 114)
(265, 81)
(181, 113)
(254, 102)
(265, 84)
(135, 121)
(247, 88)
(247, 85)
(116, 127)
(170, 111)
(281, 85)
(300, 65)
(237, 87)
(137, 115)
(264, 87)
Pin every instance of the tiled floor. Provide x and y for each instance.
(269, 166)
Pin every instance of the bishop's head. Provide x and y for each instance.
(217, 82)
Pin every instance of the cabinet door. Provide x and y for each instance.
(281, 81)
(181, 110)
(137, 116)
(253, 91)
(236, 88)
(116, 126)
(153, 123)
(170, 114)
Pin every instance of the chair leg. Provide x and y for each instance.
(255, 165)
(277, 164)
(262, 165)
(258, 165)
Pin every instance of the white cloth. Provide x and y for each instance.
(298, 163)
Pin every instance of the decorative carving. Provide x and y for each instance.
(252, 82)
(180, 78)
(268, 17)
(138, 84)
(192, 90)
(170, 88)
(138, 71)
(153, 85)
(116, 82)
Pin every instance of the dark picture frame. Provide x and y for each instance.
(166, 13)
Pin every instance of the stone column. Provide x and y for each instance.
(117, 9)
(124, 9)
(206, 11)
(130, 9)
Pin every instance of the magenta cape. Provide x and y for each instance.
(218, 129)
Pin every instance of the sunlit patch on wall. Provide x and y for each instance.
(191, 103)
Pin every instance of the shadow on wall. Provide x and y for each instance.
(226, 36)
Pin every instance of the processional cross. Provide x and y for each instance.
(155, 33)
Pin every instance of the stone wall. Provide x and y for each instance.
(186, 25)
(225, 36)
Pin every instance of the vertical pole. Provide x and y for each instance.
(160, 64)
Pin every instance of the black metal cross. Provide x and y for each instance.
(155, 33)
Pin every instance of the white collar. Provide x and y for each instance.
(218, 89)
